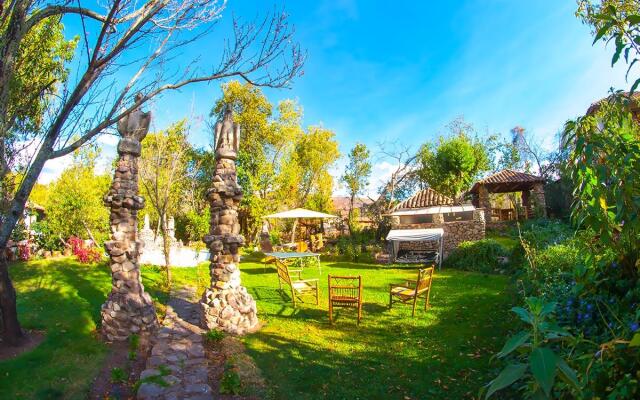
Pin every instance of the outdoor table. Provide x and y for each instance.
(281, 255)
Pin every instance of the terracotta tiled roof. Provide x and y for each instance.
(424, 198)
(507, 176)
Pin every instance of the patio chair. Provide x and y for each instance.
(346, 292)
(412, 290)
(302, 247)
(300, 287)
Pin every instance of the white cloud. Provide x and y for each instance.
(53, 168)
(108, 139)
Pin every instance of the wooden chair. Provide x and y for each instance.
(300, 287)
(302, 247)
(345, 291)
(412, 290)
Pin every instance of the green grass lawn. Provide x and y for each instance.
(444, 351)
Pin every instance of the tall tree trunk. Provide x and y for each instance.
(166, 248)
(350, 214)
(12, 333)
(95, 243)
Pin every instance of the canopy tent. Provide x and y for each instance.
(396, 236)
(299, 213)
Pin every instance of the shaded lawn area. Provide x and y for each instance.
(444, 351)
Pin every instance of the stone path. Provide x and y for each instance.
(177, 356)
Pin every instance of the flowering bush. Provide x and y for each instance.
(24, 251)
(89, 255)
(83, 253)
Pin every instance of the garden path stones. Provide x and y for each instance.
(177, 368)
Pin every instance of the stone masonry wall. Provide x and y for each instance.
(455, 232)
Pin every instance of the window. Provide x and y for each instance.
(416, 219)
(458, 216)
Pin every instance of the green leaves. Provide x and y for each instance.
(513, 343)
(451, 165)
(543, 363)
(508, 376)
(535, 355)
(635, 341)
(567, 373)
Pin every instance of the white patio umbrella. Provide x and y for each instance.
(299, 213)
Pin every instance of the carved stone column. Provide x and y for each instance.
(225, 304)
(128, 309)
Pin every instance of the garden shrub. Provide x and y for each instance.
(550, 275)
(480, 256)
(84, 254)
(45, 237)
(538, 234)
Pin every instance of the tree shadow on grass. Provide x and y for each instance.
(69, 357)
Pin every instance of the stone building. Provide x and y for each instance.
(429, 209)
(529, 203)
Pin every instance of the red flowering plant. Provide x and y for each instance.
(24, 251)
(84, 254)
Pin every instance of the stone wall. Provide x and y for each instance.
(455, 232)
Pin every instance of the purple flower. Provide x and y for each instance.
(634, 327)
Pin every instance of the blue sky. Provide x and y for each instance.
(381, 71)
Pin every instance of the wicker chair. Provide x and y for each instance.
(345, 291)
(300, 287)
(412, 290)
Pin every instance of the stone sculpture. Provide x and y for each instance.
(227, 136)
(128, 309)
(225, 304)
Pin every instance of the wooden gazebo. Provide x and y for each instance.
(509, 181)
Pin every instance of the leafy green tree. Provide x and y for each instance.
(451, 165)
(616, 21)
(315, 153)
(74, 204)
(605, 172)
(356, 176)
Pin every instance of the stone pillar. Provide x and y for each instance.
(225, 304)
(483, 198)
(539, 202)
(128, 309)
(438, 219)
